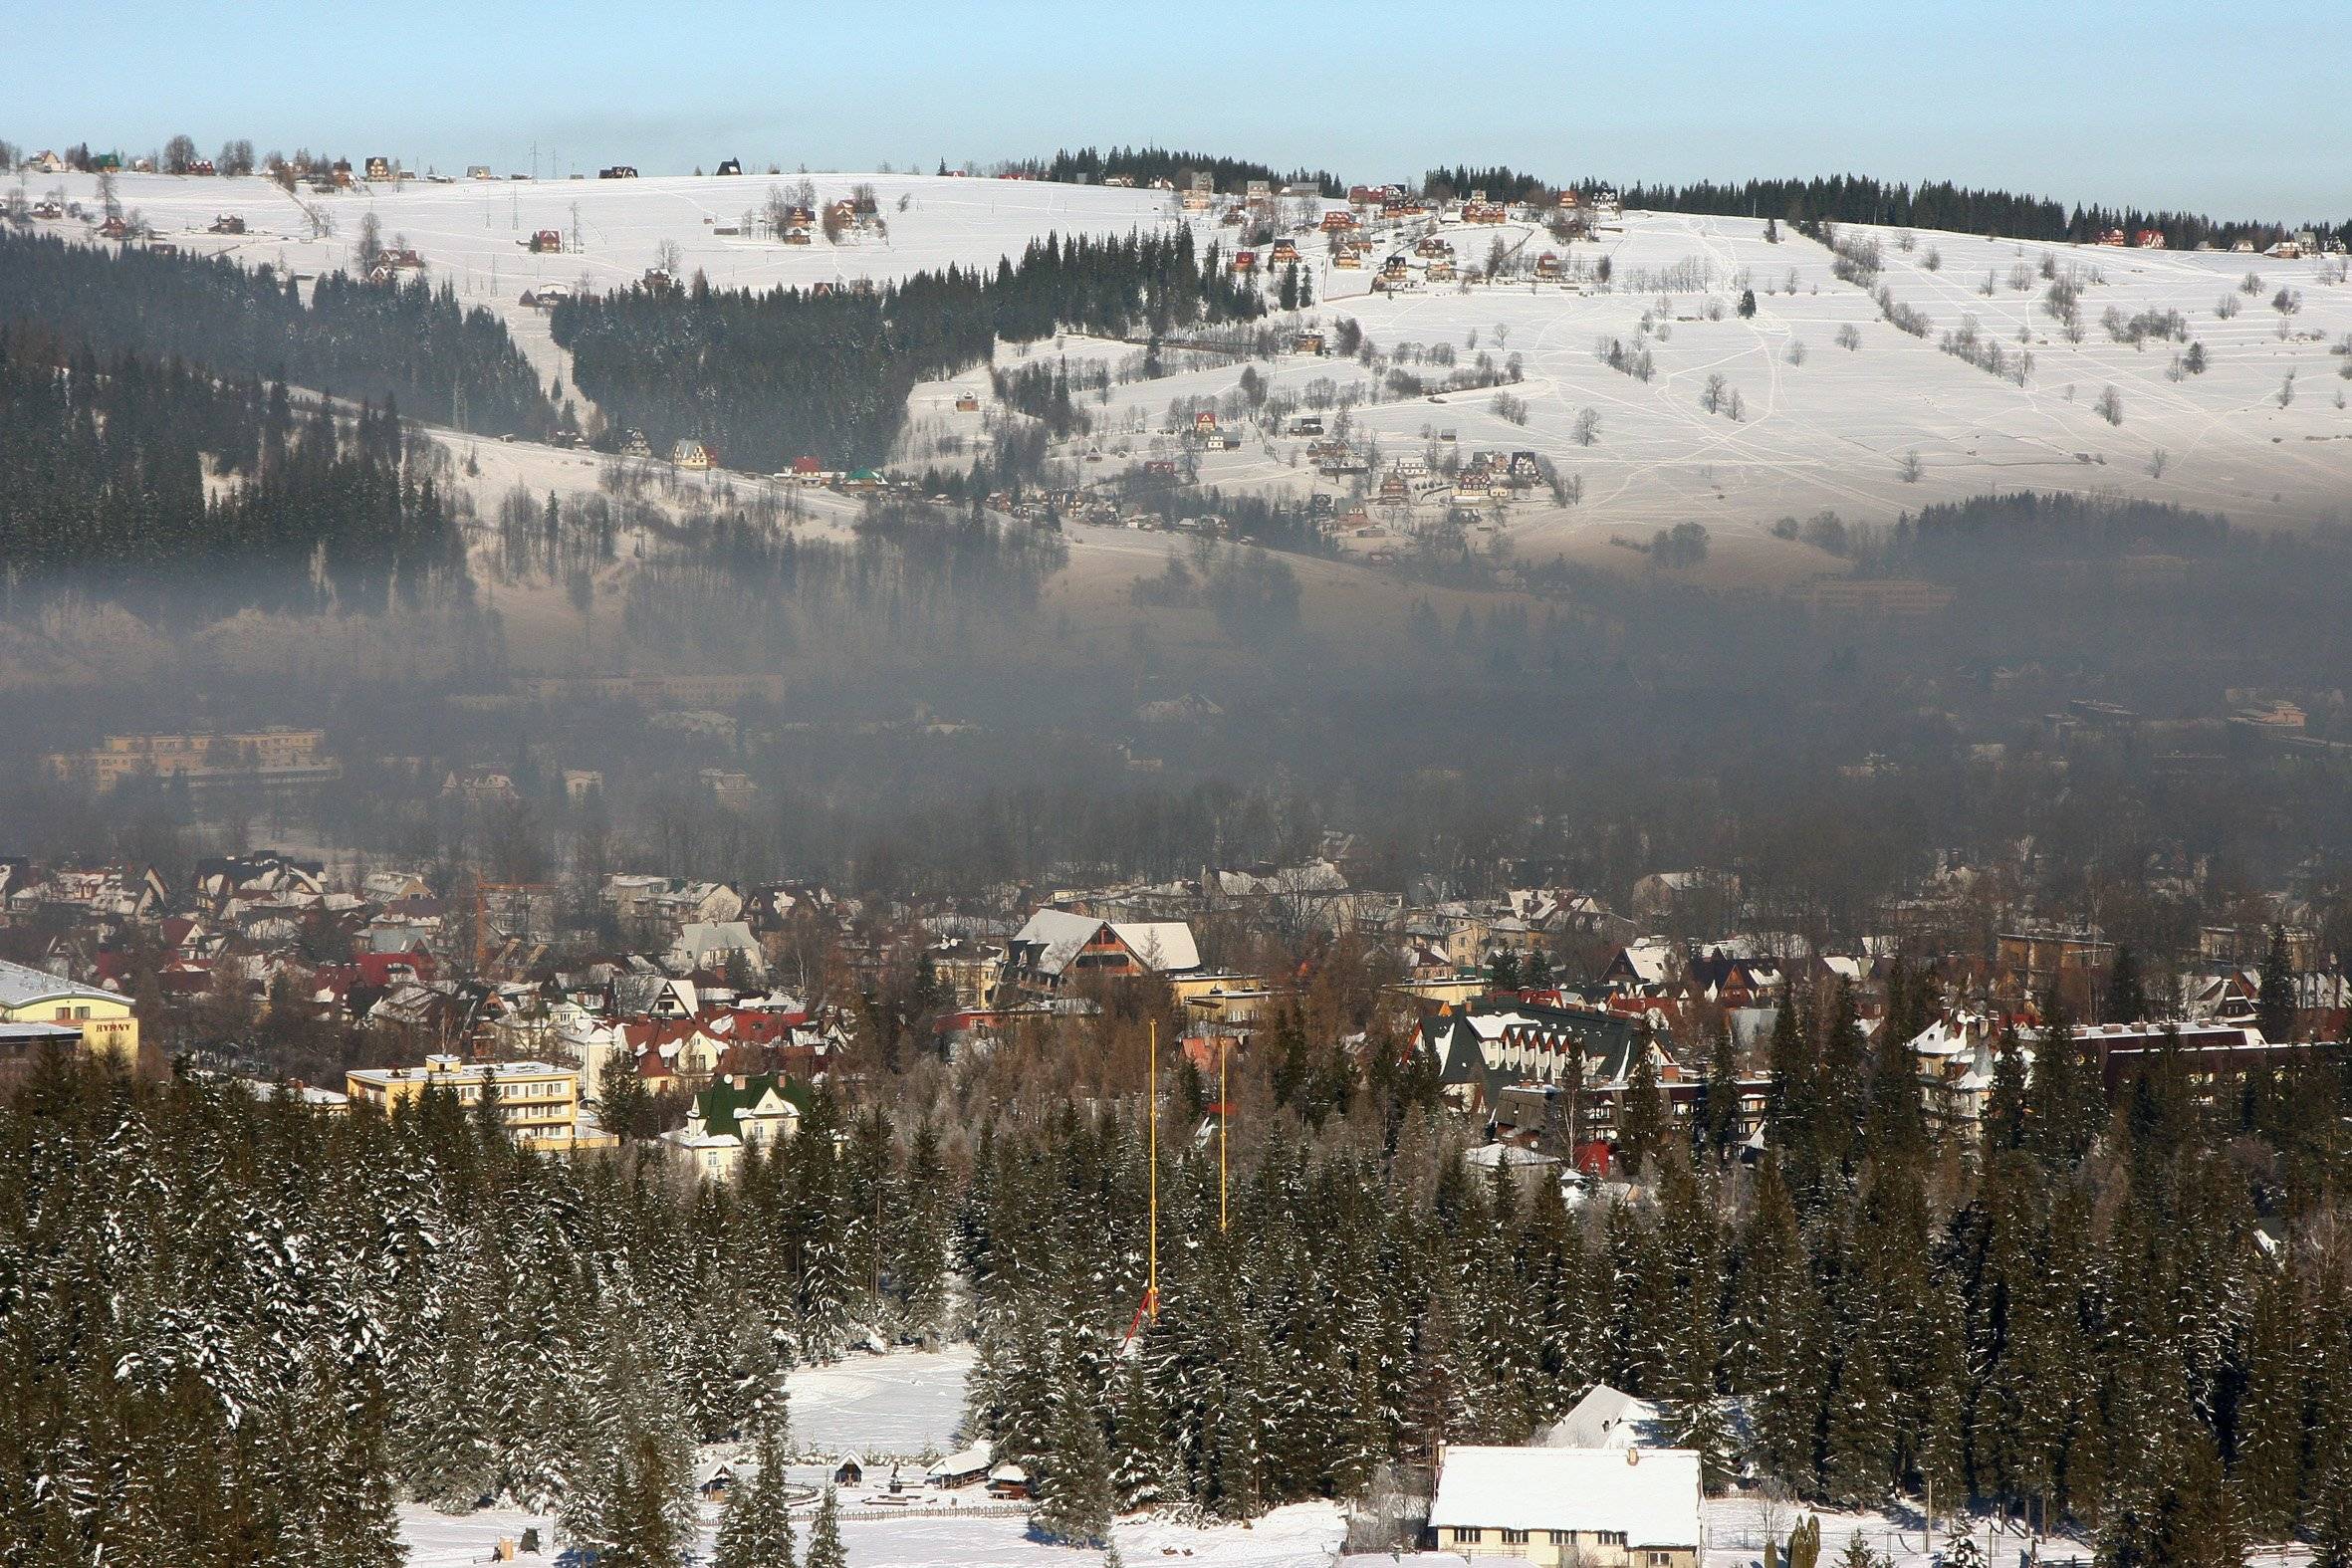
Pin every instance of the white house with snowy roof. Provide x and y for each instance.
(1056, 948)
(1595, 1507)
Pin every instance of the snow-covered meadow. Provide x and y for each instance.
(1838, 409)
(906, 1403)
(472, 234)
(1868, 430)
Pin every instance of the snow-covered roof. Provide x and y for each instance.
(23, 987)
(1649, 961)
(1165, 945)
(1652, 1494)
(1953, 1034)
(1606, 1417)
(973, 1461)
(1487, 1156)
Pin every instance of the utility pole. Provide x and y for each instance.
(1224, 1122)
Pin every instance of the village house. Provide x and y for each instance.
(736, 1113)
(1557, 1506)
(717, 947)
(691, 454)
(2034, 957)
(1056, 948)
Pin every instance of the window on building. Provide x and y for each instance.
(1467, 1536)
(1514, 1537)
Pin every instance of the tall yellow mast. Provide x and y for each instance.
(1151, 1289)
(1224, 1120)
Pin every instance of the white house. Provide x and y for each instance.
(732, 1115)
(1595, 1507)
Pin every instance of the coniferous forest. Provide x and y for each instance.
(1860, 198)
(1939, 204)
(772, 377)
(408, 343)
(236, 1332)
(149, 480)
(1143, 165)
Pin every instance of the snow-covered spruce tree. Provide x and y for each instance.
(2331, 1514)
(1859, 1465)
(821, 1233)
(648, 1515)
(757, 1529)
(1139, 1477)
(450, 1463)
(359, 1527)
(919, 1264)
(824, 1535)
(1076, 1476)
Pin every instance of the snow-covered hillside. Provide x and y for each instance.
(472, 234)
(1837, 409)
(1822, 426)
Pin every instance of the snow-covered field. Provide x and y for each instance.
(471, 233)
(2263, 435)
(1305, 1535)
(903, 1404)
(1823, 426)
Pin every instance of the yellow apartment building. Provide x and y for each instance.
(538, 1103)
(109, 1025)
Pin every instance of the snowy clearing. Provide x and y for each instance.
(1305, 1535)
(904, 1403)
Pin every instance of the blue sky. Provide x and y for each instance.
(2238, 109)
